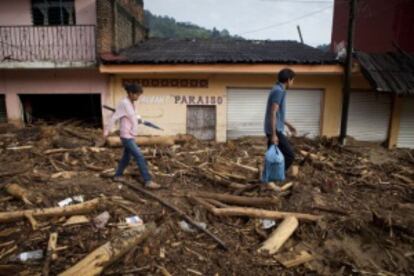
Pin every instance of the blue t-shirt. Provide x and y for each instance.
(276, 95)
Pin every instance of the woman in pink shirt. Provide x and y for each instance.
(125, 112)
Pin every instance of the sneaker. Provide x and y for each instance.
(152, 185)
(273, 187)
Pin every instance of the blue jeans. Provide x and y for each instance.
(131, 148)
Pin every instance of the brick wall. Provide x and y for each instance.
(120, 24)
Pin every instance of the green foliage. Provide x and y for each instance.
(324, 47)
(168, 27)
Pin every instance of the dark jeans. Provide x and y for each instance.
(131, 148)
(284, 147)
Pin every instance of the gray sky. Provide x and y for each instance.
(255, 19)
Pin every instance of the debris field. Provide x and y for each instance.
(341, 211)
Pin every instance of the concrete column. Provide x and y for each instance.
(395, 119)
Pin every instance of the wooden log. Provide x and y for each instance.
(261, 213)
(113, 141)
(21, 193)
(280, 235)
(238, 200)
(75, 209)
(95, 262)
(50, 253)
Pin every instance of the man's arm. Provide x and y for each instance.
(273, 120)
(291, 128)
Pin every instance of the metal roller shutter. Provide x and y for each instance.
(246, 108)
(369, 116)
(406, 134)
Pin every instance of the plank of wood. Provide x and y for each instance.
(278, 238)
(95, 262)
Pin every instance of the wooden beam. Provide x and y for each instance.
(278, 238)
(334, 69)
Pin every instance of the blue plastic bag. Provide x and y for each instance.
(274, 169)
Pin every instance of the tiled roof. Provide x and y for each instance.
(389, 72)
(213, 51)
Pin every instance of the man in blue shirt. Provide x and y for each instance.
(275, 116)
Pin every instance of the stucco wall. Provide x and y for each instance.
(15, 82)
(18, 12)
(15, 12)
(159, 105)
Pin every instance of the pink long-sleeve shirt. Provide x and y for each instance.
(125, 112)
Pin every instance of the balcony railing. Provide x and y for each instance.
(56, 44)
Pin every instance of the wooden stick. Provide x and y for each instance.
(54, 151)
(280, 235)
(77, 135)
(286, 187)
(33, 222)
(12, 173)
(181, 213)
(75, 209)
(105, 255)
(238, 200)
(20, 148)
(50, 253)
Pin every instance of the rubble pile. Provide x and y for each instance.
(342, 210)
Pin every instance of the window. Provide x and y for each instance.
(53, 12)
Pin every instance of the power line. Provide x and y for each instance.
(289, 21)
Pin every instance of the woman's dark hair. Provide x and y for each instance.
(285, 75)
(133, 88)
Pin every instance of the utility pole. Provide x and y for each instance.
(348, 71)
(300, 34)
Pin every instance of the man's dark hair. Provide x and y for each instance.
(133, 88)
(285, 75)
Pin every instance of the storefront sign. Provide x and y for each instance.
(198, 100)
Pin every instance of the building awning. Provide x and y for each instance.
(389, 72)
